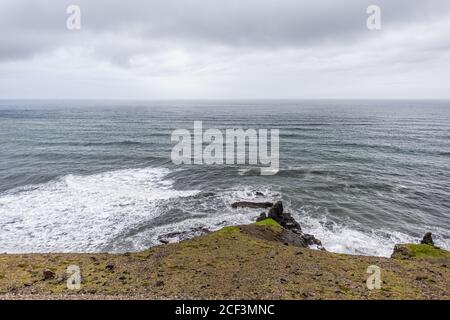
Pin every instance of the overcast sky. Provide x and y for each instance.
(175, 49)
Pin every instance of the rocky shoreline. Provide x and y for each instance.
(269, 259)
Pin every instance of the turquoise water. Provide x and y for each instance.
(95, 176)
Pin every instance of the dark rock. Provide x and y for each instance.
(252, 205)
(400, 252)
(311, 240)
(48, 274)
(293, 239)
(259, 194)
(283, 218)
(159, 283)
(110, 266)
(427, 239)
(276, 210)
(293, 234)
(261, 217)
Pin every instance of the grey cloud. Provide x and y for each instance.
(234, 23)
(223, 48)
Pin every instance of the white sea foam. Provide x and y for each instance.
(345, 239)
(348, 237)
(114, 210)
(81, 213)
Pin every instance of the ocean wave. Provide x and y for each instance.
(350, 237)
(95, 144)
(82, 213)
(210, 210)
(130, 210)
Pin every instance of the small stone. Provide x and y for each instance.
(48, 274)
(159, 283)
(110, 266)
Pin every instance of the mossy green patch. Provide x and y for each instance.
(228, 231)
(426, 251)
(270, 223)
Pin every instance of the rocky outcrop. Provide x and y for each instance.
(295, 234)
(292, 234)
(285, 219)
(401, 251)
(425, 250)
(427, 239)
(253, 205)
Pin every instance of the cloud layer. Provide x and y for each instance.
(164, 49)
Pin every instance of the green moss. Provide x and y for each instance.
(426, 251)
(228, 230)
(269, 223)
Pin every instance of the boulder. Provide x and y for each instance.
(427, 239)
(276, 210)
(294, 234)
(252, 205)
(285, 219)
(110, 266)
(48, 274)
